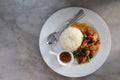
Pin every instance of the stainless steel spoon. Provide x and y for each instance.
(53, 37)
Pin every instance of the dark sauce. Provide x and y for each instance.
(65, 57)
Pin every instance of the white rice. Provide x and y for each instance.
(71, 38)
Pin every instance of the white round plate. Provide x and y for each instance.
(75, 70)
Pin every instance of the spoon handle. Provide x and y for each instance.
(77, 17)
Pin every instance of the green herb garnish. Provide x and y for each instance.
(87, 47)
(84, 37)
(90, 56)
(75, 53)
(88, 59)
(90, 41)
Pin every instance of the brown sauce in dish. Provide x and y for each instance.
(65, 57)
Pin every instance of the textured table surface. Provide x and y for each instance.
(20, 24)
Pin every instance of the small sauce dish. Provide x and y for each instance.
(64, 57)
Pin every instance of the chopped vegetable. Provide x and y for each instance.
(84, 37)
(88, 59)
(87, 47)
(90, 56)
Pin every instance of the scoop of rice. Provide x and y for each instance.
(71, 38)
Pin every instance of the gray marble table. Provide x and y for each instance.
(20, 24)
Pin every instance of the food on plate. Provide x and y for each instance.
(82, 40)
(90, 43)
(71, 38)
